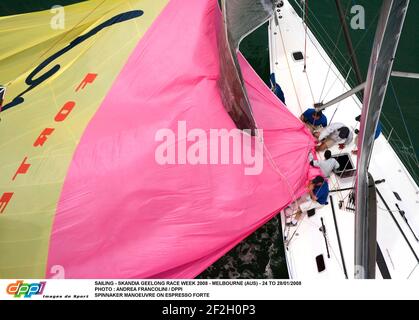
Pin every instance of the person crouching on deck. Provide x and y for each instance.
(314, 120)
(328, 165)
(336, 133)
(316, 197)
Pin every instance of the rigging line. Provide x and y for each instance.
(279, 172)
(405, 159)
(311, 89)
(403, 118)
(317, 43)
(329, 244)
(347, 61)
(336, 80)
(295, 231)
(341, 175)
(297, 205)
(306, 31)
(414, 269)
(289, 70)
(338, 238)
(397, 224)
(270, 158)
(320, 39)
(337, 107)
(334, 113)
(275, 167)
(333, 54)
(328, 71)
(348, 41)
(337, 183)
(321, 25)
(395, 145)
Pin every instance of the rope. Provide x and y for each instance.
(403, 119)
(289, 70)
(334, 53)
(398, 144)
(348, 60)
(306, 31)
(311, 89)
(414, 269)
(321, 25)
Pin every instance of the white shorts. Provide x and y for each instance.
(305, 203)
(309, 204)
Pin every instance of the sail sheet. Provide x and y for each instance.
(81, 192)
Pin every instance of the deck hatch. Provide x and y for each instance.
(347, 168)
(298, 56)
(321, 266)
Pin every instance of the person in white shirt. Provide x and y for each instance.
(336, 133)
(328, 165)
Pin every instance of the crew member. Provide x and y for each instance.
(336, 133)
(313, 119)
(316, 197)
(328, 165)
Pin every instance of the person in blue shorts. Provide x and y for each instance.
(314, 119)
(316, 197)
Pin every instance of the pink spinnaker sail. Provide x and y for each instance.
(123, 215)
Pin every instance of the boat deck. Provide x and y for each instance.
(397, 237)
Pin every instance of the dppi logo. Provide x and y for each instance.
(27, 290)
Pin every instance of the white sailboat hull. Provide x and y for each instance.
(396, 238)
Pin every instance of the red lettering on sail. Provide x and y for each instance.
(23, 169)
(90, 78)
(65, 111)
(43, 137)
(4, 200)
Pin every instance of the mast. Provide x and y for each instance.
(393, 14)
